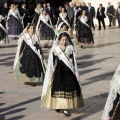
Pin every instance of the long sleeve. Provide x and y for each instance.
(94, 12)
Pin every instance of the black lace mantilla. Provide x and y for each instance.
(30, 62)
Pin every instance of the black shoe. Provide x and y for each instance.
(66, 114)
(57, 110)
(33, 84)
(27, 83)
(99, 29)
(81, 46)
(109, 26)
(104, 28)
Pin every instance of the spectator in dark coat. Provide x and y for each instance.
(101, 16)
(110, 13)
(91, 15)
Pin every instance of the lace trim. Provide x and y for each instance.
(66, 95)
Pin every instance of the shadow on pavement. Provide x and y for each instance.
(88, 71)
(8, 58)
(85, 57)
(93, 62)
(8, 46)
(8, 110)
(102, 45)
(106, 76)
(6, 54)
(92, 105)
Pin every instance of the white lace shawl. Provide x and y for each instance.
(84, 20)
(45, 20)
(14, 13)
(114, 89)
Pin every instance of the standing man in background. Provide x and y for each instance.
(91, 15)
(110, 12)
(70, 12)
(84, 7)
(5, 10)
(49, 10)
(101, 16)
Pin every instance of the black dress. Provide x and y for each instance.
(117, 114)
(46, 33)
(65, 84)
(14, 27)
(30, 62)
(2, 32)
(83, 33)
(36, 18)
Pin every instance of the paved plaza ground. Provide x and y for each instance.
(96, 64)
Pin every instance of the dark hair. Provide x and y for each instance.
(64, 34)
(29, 25)
(64, 24)
(101, 5)
(38, 3)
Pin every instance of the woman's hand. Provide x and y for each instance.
(40, 57)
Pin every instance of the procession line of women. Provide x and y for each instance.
(59, 92)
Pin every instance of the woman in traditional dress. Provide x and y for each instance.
(45, 29)
(63, 17)
(61, 88)
(112, 106)
(38, 11)
(3, 32)
(61, 28)
(28, 65)
(83, 32)
(14, 22)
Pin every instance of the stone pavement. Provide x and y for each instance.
(97, 65)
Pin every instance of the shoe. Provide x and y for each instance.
(57, 110)
(99, 29)
(27, 83)
(33, 84)
(66, 113)
(81, 46)
(109, 26)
